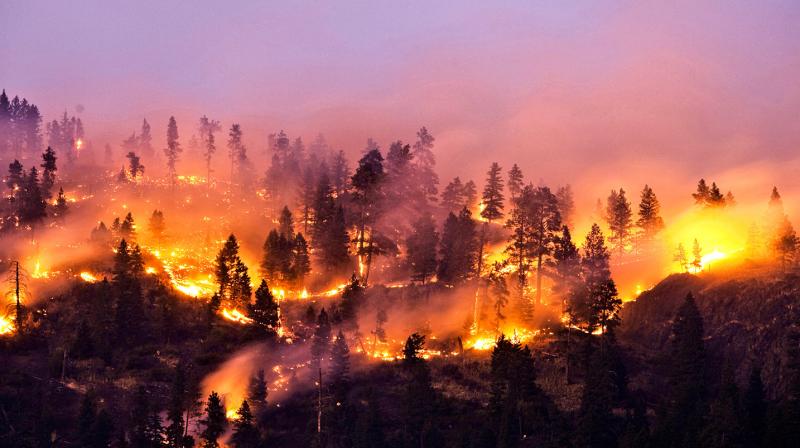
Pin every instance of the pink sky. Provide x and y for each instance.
(595, 93)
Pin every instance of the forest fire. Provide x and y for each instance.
(88, 277)
(506, 241)
(6, 325)
(237, 316)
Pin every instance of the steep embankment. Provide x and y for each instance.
(746, 315)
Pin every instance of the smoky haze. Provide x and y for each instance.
(572, 94)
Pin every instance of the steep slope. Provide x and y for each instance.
(746, 315)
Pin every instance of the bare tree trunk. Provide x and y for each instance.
(319, 402)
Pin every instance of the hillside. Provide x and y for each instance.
(745, 317)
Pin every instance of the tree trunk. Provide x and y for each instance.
(539, 279)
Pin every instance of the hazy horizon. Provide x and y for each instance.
(571, 93)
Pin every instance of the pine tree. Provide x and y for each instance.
(725, 427)
(535, 223)
(32, 206)
(173, 150)
(618, 216)
(49, 169)
(245, 434)
(145, 428)
(681, 416)
(146, 140)
(493, 195)
(264, 311)
(567, 262)
(236, 151)
(515, 182)
(492, 201)
(156, 225)
(301, 261)
(453, 196)
(135, 167)
(368, 195)
(340, 369)
(786, 245)
(697, 256)
(703, 193)
(257, 392)
(755, 409)
(458, 248)
(650, 221)
(214, 422)
(595, 418)
(419, 396)
(425, 163)
(681, 258)
(513, 388)
(232, 277)
(176, 430)
(61, 208)
(320, 341)
(566, 204)
(329, 231)
(421, 249)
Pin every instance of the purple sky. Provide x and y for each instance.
(569, 91)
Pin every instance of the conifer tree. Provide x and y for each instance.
(61, 208)
(257, 392)
(754, 408)
(245, 434)
(421, 248)
(682, 413)
(264, 310)
(567, 260)
(49, 169)
(650, 221)
(156, 225)
(301, 261)
(681, 258)
(697, 256)
(214, 424)
(340, 369)
(368, 195)
(515, 182)
(453, 196)
(233, 279)
(458, 248)
(566, 204)
(492, 200)
(173, 150)
(725, 426)
(425, 163)
(146, 140)
(618, 216)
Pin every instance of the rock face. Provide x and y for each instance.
(746, 316)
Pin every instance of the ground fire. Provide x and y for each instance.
(291, 225)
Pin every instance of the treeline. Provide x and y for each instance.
(29, 198)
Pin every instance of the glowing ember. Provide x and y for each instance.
(88, 277)
(6, 325)
(237, 316)
(151, 270)
(482, 343)
(38, 272)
